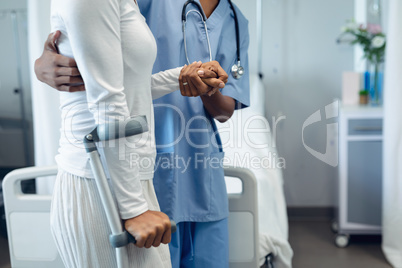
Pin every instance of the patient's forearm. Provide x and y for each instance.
(165, 82)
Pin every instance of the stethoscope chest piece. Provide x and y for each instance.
(237, 71)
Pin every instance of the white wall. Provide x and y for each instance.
(9, 80)
(45, 100)
(13, 4)
(303, 68)
(16, 144)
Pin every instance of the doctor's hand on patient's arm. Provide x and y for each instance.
(195, 80)
(215, 67)
(219, 106)
(58, 71)
(149, 229)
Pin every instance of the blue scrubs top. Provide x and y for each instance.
(189, 178)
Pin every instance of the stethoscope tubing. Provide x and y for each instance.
(206, 32)
(237, 69)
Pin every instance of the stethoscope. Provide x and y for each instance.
(237, 70)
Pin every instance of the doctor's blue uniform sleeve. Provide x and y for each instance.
(239, 89)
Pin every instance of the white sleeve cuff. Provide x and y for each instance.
(165, 82)
(128, 214)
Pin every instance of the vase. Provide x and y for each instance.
(376, 83)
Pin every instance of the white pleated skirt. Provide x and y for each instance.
(81, 231)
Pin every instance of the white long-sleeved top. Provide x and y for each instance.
(115, 51)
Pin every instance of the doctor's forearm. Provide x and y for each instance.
(219, 106)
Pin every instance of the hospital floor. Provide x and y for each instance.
(312, 242)
(313, 246)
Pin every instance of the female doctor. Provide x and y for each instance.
(189, 178)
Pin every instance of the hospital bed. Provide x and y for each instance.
(247, 139)
(31, 243)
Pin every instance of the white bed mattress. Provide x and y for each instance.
(256, 151)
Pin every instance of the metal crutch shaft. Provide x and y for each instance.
(109, 207)
(119, 237)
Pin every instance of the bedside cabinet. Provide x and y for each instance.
(360, 173)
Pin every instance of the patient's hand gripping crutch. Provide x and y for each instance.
(119, 237)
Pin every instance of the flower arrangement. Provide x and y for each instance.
(370, 37)
(373, 42)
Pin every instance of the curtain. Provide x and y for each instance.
(45, 100)
(392, 161)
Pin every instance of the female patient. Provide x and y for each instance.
(115, 51)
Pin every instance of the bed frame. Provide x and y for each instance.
(31, 243)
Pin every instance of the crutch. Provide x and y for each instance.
(119, 238)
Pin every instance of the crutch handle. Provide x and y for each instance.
(173, 227)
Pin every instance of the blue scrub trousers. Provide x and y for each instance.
(200, 245)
